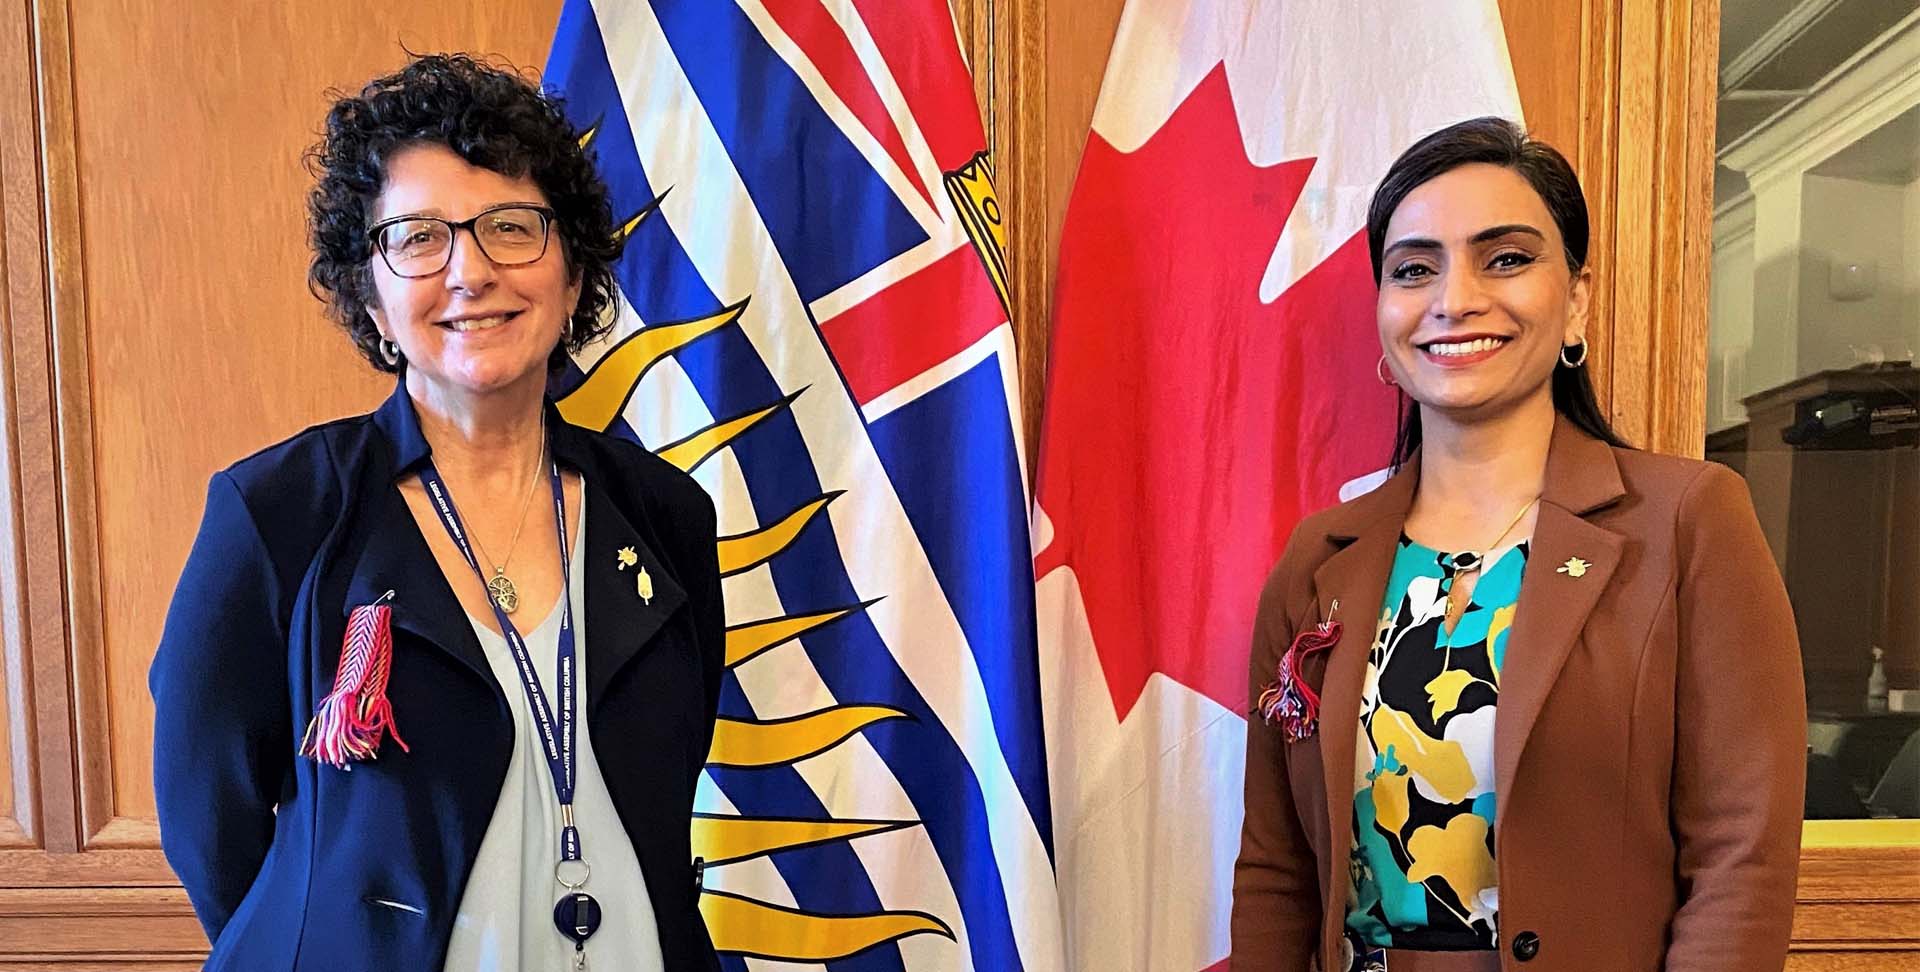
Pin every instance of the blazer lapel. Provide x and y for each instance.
(1554, 605)
(1568, 566)
(394, 557)
(1356, 577)
(622, 616)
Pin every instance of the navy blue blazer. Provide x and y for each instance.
(293, 865)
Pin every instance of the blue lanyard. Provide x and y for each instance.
(556, 734)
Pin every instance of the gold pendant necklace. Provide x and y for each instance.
(1474, 562)
(500, 587)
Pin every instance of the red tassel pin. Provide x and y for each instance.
(348, 723)
(1289, 701)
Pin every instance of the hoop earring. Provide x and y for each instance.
(390, 353)
(1564, 363)
(1380, 372)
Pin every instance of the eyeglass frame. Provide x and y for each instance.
(547, 217)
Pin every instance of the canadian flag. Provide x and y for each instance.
(1212, 381)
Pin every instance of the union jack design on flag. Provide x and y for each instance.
(814, 324)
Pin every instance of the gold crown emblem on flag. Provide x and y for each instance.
(971, 189)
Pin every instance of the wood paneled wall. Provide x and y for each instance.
(156, 325)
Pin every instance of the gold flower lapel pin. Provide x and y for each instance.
(1574, 567)
(643, 583)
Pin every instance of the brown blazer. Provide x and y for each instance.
(1649, 747)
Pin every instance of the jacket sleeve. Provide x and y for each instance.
(1276, 886)
(1739, 772)
(223, 738)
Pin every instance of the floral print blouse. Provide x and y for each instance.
(1422, 864)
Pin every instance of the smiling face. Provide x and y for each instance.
(1476, 299)
(475, 327)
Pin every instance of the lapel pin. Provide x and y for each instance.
(1574, 567)
(627, 557)
(1288, 701)
(644, 583)
(349, 724)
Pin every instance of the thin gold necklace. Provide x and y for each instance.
(1476, 562)
(500, 586)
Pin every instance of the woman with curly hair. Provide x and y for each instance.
(438, 681)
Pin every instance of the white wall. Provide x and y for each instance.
(1912, 224)
(1730, 334)
(1848, 221)
(1774, 314)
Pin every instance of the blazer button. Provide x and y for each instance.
(1526, 945)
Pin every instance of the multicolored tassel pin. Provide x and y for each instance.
(1289, 701)
(348, 723)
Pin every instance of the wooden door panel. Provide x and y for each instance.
(200, 342)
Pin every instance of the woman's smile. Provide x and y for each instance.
(469, 324)
(1462, 351)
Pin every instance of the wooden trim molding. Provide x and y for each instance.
(1594, 156)
(20, 292)
(1004, 40)
(72, 391)
(1017, 129)
(39, 162)
(1862, 902)
(1645, 153)
(149, 929)
(1661, 204)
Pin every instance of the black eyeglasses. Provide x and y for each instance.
(420, 246)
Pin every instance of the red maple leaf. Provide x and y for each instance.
(1189, 426)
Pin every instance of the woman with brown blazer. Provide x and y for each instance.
(1536, 702)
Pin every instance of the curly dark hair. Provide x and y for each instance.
(493, 118)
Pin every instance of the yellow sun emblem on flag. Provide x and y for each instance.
(740, 924)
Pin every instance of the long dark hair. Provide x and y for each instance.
(1495, 141)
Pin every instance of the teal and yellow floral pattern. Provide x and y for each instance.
(1422, 864)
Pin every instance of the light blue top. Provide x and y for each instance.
(505, 919)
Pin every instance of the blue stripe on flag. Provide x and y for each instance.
(656, 275)
(969, 511)
(830, 214)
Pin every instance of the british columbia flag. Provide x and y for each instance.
(814, 324)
